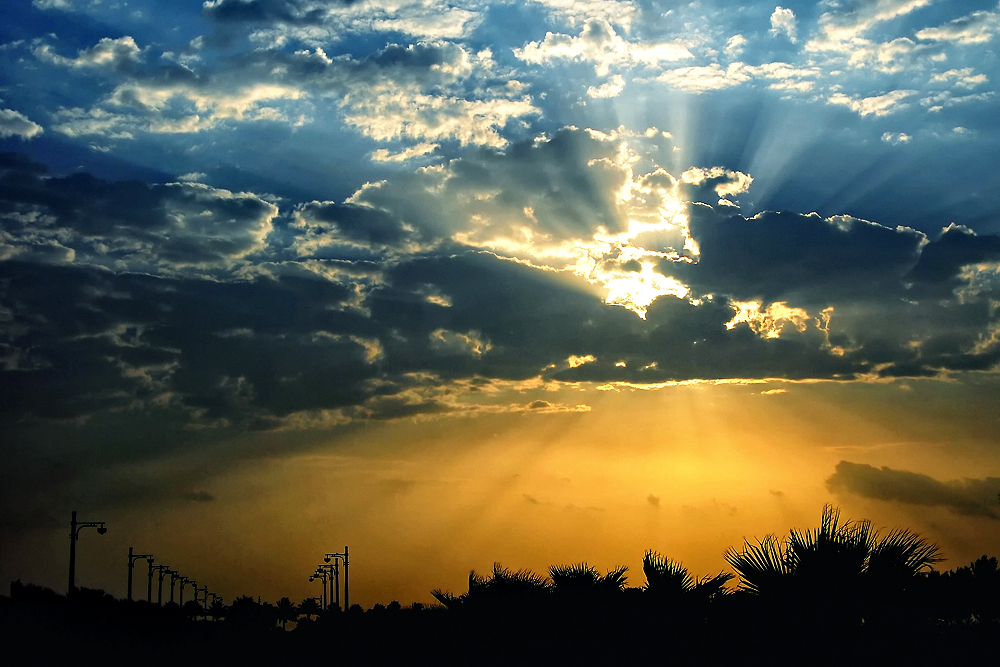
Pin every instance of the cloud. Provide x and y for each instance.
(783, 22)
(879, 105)
(16, 124)
(960, 78)
(842, 27)
(65, 5)
(612, 88)
(702, 79)
(291, 11)
(319, 23)
(974, 497)
(975, 28)
(600, 44)
(735, 45)
(177, 227)
(121, 54)
(425, 93)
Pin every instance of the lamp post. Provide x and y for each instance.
(74, 534)
(149, 584)
(184, 582)
(333, 576)
(132, 558)
(205, 601)
(321, 573)
(347, 594)
(173, 581)
(162, 571)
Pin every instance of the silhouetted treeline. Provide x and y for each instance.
(839, 594)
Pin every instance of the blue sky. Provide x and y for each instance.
(281, 222)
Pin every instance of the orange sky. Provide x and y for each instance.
(685, 470)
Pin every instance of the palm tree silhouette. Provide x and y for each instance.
(218, 609)
(504, 587)
(582, 579)
(836, 561)
(309, 608)
(669, 578)
(286, 611)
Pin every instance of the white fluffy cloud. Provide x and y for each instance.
(600, 44)
(702, 79)
(879, 105)
(976, 28)
(783, 23)
(16, 124)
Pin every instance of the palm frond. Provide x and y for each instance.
(710, 587)
(447, 598)
(616, 579)
(902, 553)
(764, 567)
(664, 574)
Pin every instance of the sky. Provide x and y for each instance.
(460, 282)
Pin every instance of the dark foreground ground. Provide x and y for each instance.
(737, 629)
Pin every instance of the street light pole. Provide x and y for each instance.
(184, 582)
(161, 572)
(173, 582)
(321, 573)
(74, 534)
(132, 558)
(149, 585)
(336, 577)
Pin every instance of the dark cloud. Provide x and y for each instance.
(956, 247)
(298, 12)
(126, 224)
(975, 497)
(778, 256)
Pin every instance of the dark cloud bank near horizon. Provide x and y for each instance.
(971, 497)
(156, 318)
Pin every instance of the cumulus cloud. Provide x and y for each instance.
(701, 79)
(783, 22)
(318, 23)
(122, 53)
(16, 124)
(842, 26)
(878, 105)
(600, 44)
(425, 93)
(176, 227)
(975, 28)
(735, 45)
(975, 497)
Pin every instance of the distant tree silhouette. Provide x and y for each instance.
(192, 609)
(247, 613)
(218, 609)
(286, 611)
(309, 608)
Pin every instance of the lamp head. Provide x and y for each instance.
(150, 560)
(102, 529)
(326, 559)
(311, 579)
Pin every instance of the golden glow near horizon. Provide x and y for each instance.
(687, 470)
